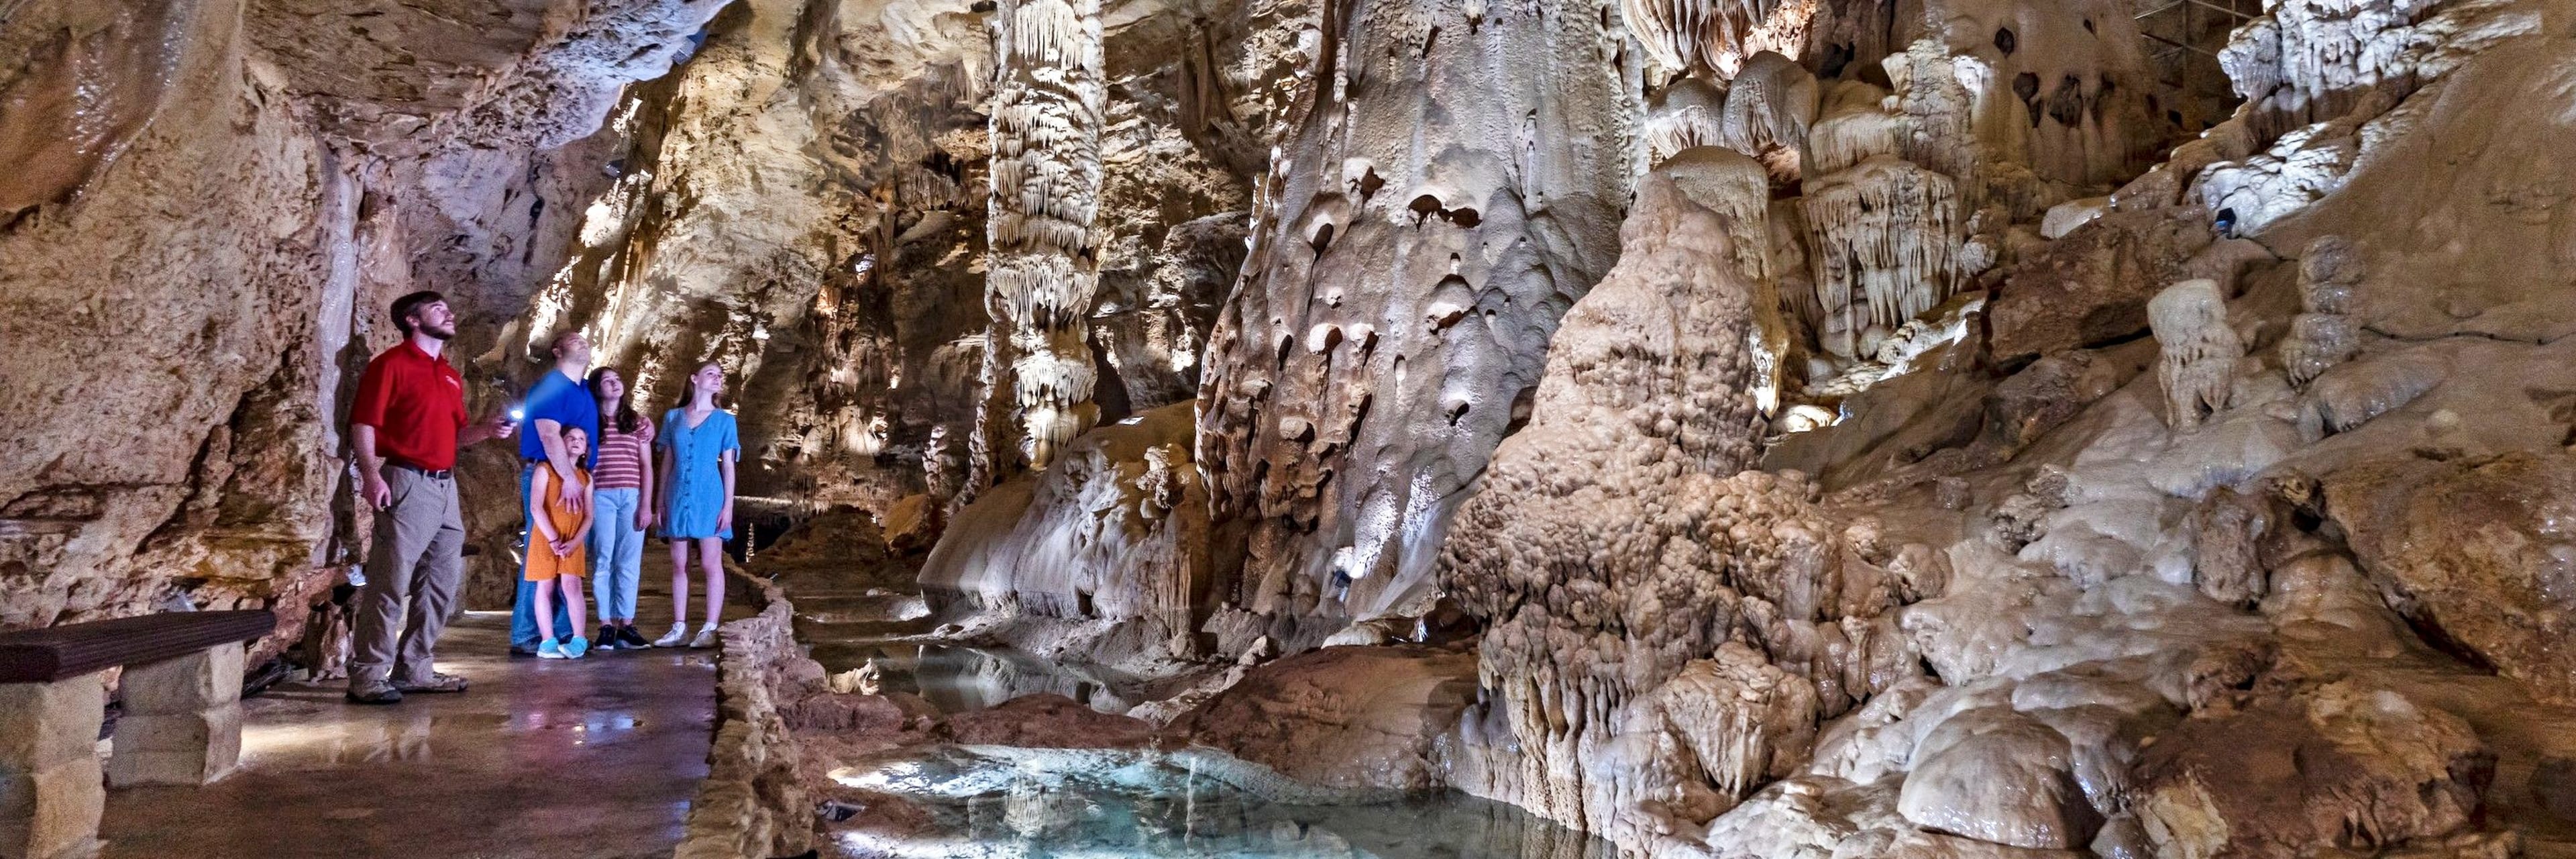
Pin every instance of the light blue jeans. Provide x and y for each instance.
(616, 551)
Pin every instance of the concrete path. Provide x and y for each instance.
(596, 757)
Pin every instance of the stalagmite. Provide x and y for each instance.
(2325, 334)
(1738, 189)
(1043, 267)
(2199, 350)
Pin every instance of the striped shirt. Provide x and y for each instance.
(622, 456)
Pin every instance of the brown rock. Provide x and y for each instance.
(2344, 765)
(1046, 721)
(2475, 553)
(2092, 286)
(1342, 717)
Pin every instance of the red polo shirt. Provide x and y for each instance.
(416, 402)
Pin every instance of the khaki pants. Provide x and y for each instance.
(413, 573)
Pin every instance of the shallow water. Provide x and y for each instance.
(1065, 803)
(1018, 802)
(959, 679)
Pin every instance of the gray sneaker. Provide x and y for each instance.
(374, 692)
(436, 684)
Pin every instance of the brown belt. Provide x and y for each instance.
(433, 474)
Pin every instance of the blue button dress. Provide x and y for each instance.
(696, 482)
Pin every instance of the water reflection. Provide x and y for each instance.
(1136, 804)
(960, 679)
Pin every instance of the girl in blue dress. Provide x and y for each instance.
(695, 507)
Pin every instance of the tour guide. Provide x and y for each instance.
(410, 415)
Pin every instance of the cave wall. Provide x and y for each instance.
(196, 284)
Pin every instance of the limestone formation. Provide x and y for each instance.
(1610, 512)
(1113, 536)
(2325, 334)
(1883, 249)
(2199, 350)
(1414, 247)
(1043, 265)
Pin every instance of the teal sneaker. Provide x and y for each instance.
(575, 648)
(550, 650)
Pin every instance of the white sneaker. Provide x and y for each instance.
(679, 633)
(706, 638)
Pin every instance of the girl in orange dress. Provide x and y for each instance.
(556, 564)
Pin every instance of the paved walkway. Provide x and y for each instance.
(596, 758)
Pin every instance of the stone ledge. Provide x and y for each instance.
(751, 805)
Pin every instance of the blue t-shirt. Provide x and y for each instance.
(564, 400)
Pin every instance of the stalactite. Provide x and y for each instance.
(1043, 267)
(1888, 227)
(1717, 35)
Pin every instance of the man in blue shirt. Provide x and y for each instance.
(559, 401)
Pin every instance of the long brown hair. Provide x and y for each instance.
(626, 420)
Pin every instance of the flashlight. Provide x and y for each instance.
(518, 414)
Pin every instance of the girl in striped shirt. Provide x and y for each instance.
(622, 492)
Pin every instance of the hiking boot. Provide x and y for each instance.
(679, 633)
(437, 684)
(375, 692)
(575, 648)
(548, 649)
(706, 638)
(628, 638)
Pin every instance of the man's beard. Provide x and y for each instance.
(437, 333)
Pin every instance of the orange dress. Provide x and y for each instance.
(543, 566)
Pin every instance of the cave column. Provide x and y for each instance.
(51, 795)
(182, 722)
(1043, 266)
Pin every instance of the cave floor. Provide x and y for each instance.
(596, 757)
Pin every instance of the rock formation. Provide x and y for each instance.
(2199, 350)
(1041, 264)
(1607, 550)
(1434, 213)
